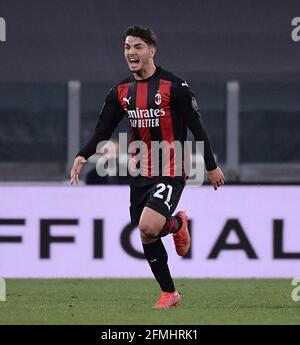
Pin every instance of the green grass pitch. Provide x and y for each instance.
(130, 301)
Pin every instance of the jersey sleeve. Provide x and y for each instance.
(110, 115)
(186, 103)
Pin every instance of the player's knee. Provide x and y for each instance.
(148, 230)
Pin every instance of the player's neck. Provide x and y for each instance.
(145, 73)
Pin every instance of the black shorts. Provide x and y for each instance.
(162, 196)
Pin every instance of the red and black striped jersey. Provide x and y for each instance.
(159, 109)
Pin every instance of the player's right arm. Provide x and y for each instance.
(111, 114)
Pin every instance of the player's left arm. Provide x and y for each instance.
(188, 106)
(111, 114)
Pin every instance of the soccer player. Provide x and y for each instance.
(159, 106)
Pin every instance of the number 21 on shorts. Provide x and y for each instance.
(161, 187)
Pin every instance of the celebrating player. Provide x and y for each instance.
(160, 107)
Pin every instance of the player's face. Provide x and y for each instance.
(138, 54)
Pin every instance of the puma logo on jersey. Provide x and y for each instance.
(127, 100)
(185, 84)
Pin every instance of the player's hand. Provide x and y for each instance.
(216, 177)
(77, 165)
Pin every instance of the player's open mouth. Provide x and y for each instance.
(133, 62)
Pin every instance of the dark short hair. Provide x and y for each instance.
(146, 34)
